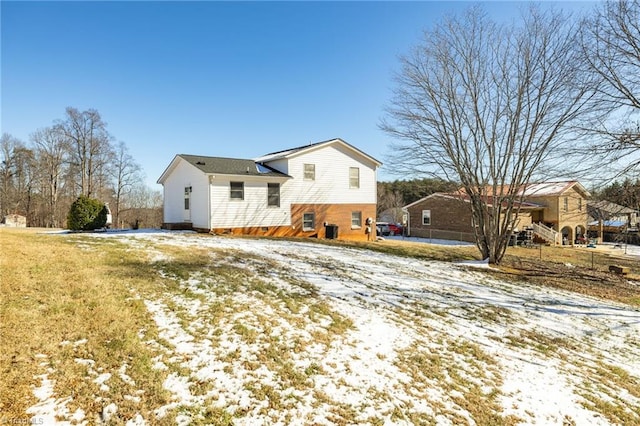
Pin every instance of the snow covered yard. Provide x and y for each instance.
(280, 332)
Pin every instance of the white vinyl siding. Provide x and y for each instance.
(254, 211)
(183, 176)
(331, 184)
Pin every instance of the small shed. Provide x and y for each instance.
(15, 221)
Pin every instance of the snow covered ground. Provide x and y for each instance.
(400, 341)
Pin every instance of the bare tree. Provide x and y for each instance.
(390, 201)
(610, 40)
(11, 165)
(125, 173)
(144, 207)
(90, 148)
(51, 148)
(489, 106)
(24, 180)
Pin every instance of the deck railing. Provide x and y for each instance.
(546, 233)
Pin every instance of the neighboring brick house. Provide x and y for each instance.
(307, 191)
(448, 217)
(555, 211)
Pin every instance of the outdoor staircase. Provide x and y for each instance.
(546, 233)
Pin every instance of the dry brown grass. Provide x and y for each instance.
(575, 269)
(55, 292)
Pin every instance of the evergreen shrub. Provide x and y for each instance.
(87, 214)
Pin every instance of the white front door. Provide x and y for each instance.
(187, 204)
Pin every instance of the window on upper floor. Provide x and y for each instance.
(308, 221)
(273, 194)
(579, 204)
(356, 219)
(309, 172)
(566, 204)
(354, 177)
(426, 217)
(236, 190)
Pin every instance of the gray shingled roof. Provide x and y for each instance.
(231, 166)
(609, 207)
(287, 152)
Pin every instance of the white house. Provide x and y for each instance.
(325, 189)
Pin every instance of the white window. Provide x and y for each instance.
(566, 204)
(273, 194)
(236, 191)
(356, 219)
(354, 177)
(309, 172)
(308, 221)
(426, 217)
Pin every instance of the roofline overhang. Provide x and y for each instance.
(259, 176)
(313, 147)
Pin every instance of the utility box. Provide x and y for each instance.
(331, 231)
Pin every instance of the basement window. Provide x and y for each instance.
(356, 220)
(308, 222)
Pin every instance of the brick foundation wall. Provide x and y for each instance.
(179, 226)
(333, 214)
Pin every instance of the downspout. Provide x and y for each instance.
(406, 223)
(209, 212)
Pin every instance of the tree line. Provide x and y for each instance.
(495, 106)
(75, 156)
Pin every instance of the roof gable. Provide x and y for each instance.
(293, 152)
(550, 189)
(434, 195)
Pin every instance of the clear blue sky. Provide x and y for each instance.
(229, 79)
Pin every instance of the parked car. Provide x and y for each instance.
(382, 229)
(395, 229)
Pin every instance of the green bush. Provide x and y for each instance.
(87, 214)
